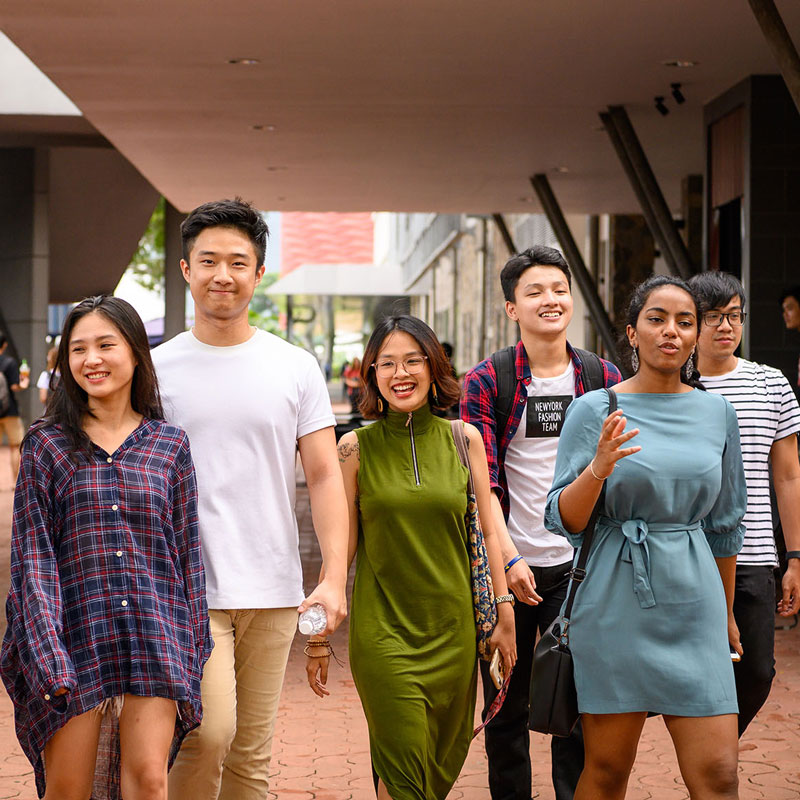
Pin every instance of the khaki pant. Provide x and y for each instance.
(13, 429)
(228, 756)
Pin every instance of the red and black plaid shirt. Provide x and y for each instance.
(478, 408)
(107, 584)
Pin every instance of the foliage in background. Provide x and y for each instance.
(147, 264)
(264, 312)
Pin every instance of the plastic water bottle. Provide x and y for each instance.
(24, 369)
(313, 620)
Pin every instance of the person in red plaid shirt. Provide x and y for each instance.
(107, 621)
(517, 399)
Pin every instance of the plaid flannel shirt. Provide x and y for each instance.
(478, 408)
(107, 589)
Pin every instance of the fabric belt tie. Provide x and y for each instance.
(636, 552)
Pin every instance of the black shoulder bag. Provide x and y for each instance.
(553, 699)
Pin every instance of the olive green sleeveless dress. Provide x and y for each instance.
(412, 626)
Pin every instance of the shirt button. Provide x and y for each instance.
(114, 507)
(47, 697)
(119, 553)
(110, 460)
(124, 602)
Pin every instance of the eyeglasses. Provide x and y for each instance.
(413, 366)
(714, 318)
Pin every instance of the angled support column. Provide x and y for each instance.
(587, 287)
(654, 206)
(174, 284)
(781, 44)
(505, 233)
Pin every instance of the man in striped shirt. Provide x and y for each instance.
(769, 420)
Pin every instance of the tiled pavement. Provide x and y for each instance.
(320, 749)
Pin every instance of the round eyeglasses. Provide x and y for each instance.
(714, 318)
(413, 366)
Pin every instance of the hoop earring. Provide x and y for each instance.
(634, 359)
(433, 392)
(380, 405)
(688, 367)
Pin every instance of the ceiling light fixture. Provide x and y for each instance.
(244, 62)
(677, 62)
(677, 93)
(661, 106)
(562, 169)
(269, 128)
(525, 199)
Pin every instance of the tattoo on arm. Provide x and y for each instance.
(346, 450)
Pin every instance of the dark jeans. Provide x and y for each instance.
(507, 736)
(754, 610)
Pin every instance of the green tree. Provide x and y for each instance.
(147, 264)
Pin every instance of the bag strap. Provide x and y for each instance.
(578, 572)
(504, 362)
(593, 373)
(457, 429)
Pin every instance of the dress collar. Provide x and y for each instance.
(398, 420)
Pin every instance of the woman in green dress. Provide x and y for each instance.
(412, 624)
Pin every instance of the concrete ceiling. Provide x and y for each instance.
(444, 105)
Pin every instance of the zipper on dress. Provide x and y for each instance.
(410, 426)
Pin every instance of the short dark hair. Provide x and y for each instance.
(792, 291)
(3, 338)
(447, 388)
(237, 214)
(638, 300)
(536, 256)
(714, 289)
(68, 404)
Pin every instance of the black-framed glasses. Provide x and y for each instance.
(714, 318)
(413, 366)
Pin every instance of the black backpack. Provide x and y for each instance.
(504, 367)
(5, 394)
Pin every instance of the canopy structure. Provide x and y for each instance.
(342, 280)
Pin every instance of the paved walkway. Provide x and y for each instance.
(321, 750)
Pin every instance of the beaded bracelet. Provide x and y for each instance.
(513, 561)
(328, 650)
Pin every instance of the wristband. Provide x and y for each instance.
(792, 554)
(511, 563)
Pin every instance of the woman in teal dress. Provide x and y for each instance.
(412, 625)
(652, 627)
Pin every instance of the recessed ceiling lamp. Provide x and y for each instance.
(269, 128)
(244, 62)
(661, 106)
(276, 169)
(677, 62)
(562, 169)
(525, 199)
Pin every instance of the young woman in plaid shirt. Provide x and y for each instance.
(107, 620)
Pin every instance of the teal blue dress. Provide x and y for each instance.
(649, 625)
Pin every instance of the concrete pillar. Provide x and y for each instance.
(174, 284)
(25, 261)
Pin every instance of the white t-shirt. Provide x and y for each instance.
(767, 411)
(530, 462)
(244, 408)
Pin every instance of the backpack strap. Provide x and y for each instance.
(504, 362)
(593, 373)
(460, 439)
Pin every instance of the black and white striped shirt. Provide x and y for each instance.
(767, 411)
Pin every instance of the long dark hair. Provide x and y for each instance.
(68, 404)
(637, 302)
(447, 389)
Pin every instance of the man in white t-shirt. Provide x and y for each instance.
(517, 399)
(248, 401)
(769, 420)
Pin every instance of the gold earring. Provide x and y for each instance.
(380, 406)
(433, 392)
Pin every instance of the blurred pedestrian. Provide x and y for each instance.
(412, 624)
(48, 378)
(10, 421)
(352, 382)
(652, 625)
(790, 306)
(107, 621)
